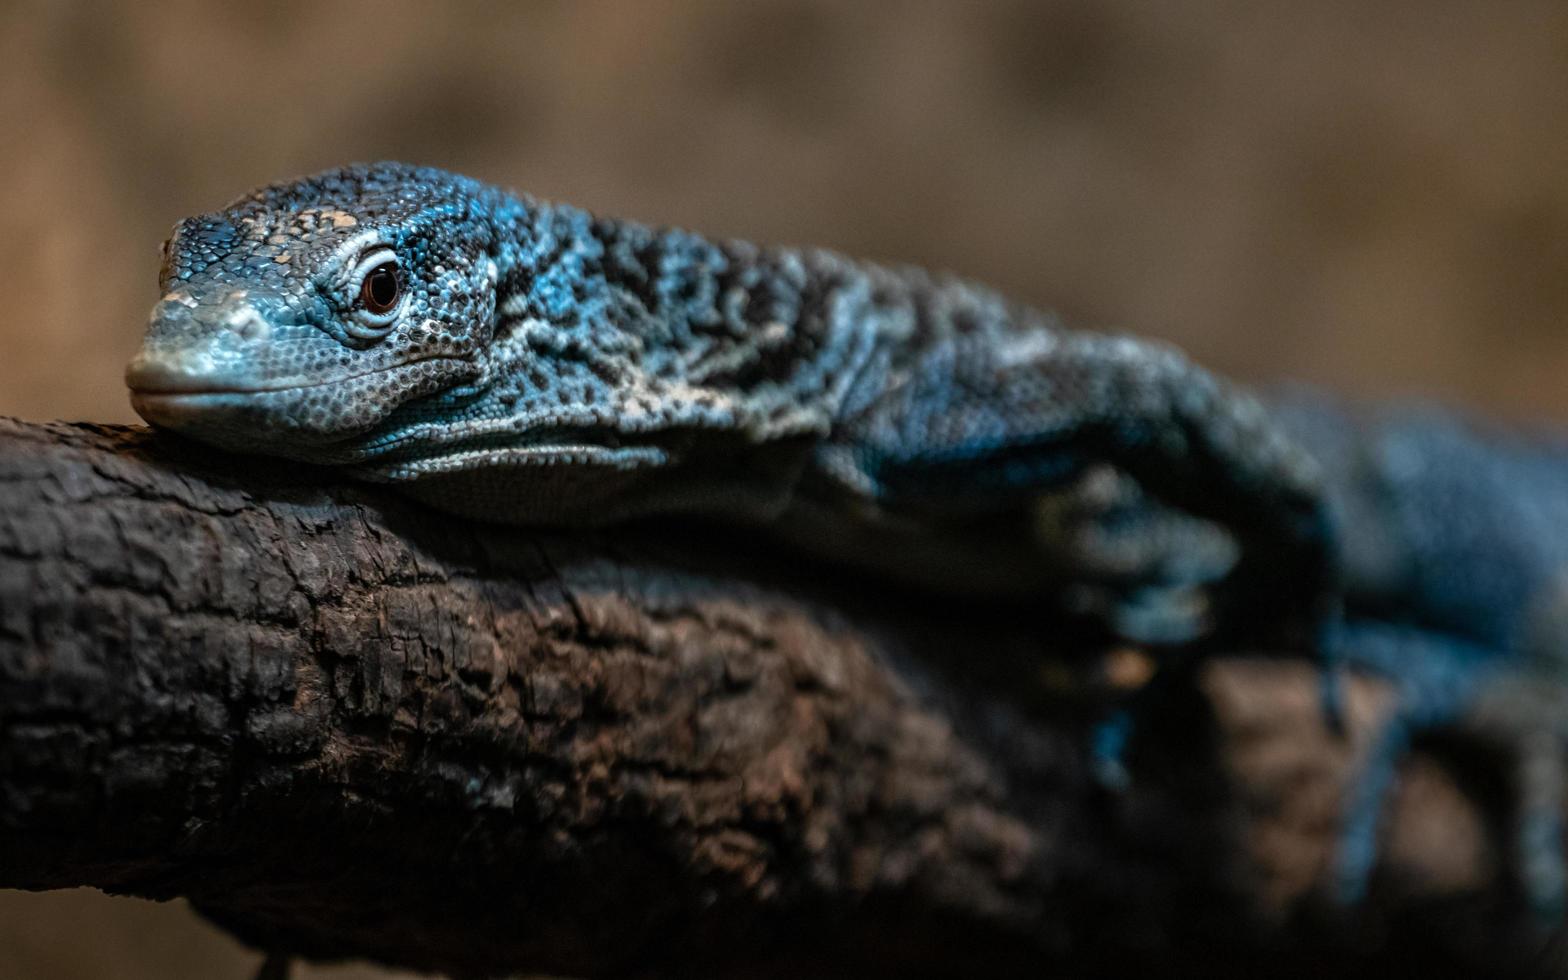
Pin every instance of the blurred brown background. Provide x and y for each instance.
(1372, 197)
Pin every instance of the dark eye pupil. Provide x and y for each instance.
(381, 288)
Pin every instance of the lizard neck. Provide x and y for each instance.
(641, 330)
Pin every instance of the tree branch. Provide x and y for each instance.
(343, 725)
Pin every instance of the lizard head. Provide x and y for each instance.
(296, 320)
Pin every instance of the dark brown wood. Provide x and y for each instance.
(344, 725)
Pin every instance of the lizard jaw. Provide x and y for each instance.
(299, 421)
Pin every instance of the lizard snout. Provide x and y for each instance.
(199, 344)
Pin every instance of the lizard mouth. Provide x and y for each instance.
(188, 410)
(154, 379)
(284, 418)
(255, 420)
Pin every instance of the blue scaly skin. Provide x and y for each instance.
(512, 360)
(1454, 557)
(534, 364)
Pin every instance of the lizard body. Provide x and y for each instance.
(535, 364)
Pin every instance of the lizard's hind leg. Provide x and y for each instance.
(1540, 854)
(1527, 714)
(1518, 707)
(1436, 680)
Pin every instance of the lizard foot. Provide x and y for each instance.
(1526, 713)
(1141, 568)
(1445, 684)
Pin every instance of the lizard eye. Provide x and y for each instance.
(378, 296)
(381, 289)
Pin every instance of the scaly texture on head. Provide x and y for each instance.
(270, 336)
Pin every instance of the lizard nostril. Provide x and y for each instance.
(248, 324)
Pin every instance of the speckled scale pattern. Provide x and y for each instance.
(545, 362)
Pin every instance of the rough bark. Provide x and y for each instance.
(343, 725)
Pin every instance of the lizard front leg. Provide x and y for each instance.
(1002, 421)
(1013, 420)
